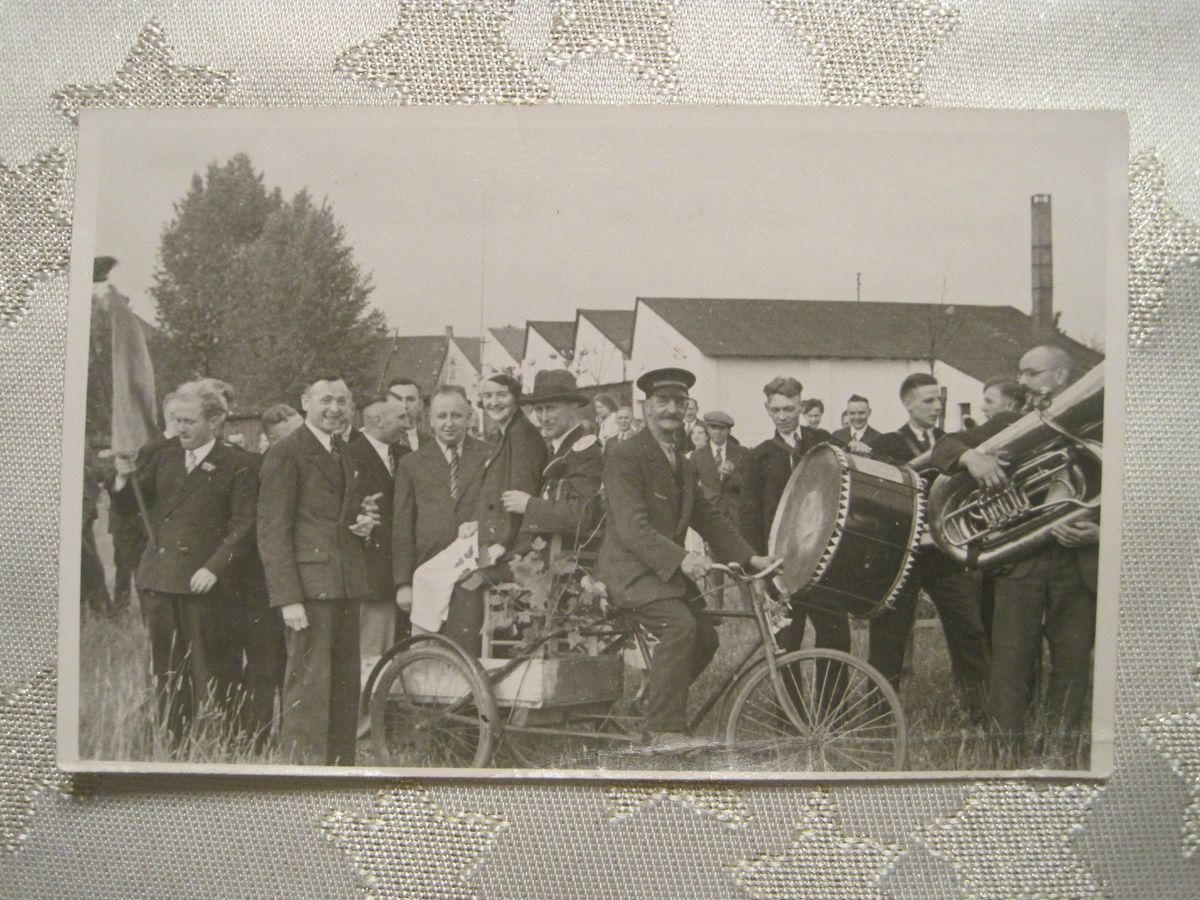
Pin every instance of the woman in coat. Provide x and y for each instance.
(516, 461)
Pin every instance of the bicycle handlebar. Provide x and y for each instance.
(735, 570)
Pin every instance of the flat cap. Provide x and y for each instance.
(717, 417)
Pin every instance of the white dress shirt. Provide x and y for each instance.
(325, 439)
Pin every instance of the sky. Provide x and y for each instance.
(495, 215)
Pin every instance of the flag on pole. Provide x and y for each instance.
(134, 403)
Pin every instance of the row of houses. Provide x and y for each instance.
(734, 346)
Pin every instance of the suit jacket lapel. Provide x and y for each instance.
(320, 457)
(180, 482)
(659, 465)
(474, 456)
(685, 506)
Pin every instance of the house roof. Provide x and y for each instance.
(560, 335)
(614, 324)
(980, 341)
(470, 349)
(418, 357)
(512, 339)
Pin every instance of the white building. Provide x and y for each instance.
(461, 364)
(834, 348)
(548, 345)
(502, 350)
(603, 341)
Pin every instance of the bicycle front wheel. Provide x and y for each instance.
(828, 712)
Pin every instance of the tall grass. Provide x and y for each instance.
(117, 706)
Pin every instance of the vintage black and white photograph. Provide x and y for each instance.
(724, 443)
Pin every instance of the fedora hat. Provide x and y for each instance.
(555, 386)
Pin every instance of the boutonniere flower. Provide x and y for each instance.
(207, 466)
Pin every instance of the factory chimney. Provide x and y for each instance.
(1043, 269)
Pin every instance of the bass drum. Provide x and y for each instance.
(847, 528)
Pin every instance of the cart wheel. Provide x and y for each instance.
(851, 717)
(430, 708)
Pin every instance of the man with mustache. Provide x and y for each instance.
(653, 496)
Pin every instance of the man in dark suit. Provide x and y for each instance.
(200, 496)
(1051, 594)
(567, 510)
(857, 436)
(719, 465)
(407, 392)
(954, 590)
(653, 497)
(437, 493)
(768, 470)
(311, 530)
(377, 450)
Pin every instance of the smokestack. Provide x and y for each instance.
(449, 331)
(1043, 269)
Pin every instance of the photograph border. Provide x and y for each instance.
(1102, 754)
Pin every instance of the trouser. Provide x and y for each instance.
(831, 631)
(1049, 598)
(263, 671)
(127, 551)
(320, 690)
(955, 593)
(687, 642)
(377, 627)
(194, 662)
(93, 591)
(464, 620)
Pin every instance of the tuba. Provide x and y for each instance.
(1054, 470)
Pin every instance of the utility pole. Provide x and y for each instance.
(858, 287)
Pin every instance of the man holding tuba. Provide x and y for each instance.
(1051, 593)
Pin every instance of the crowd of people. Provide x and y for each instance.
(270, 582)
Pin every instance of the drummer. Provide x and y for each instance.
(652, 497)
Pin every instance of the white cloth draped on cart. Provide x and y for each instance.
(434, 579)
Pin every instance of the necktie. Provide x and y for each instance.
(454, 472)
(720, 457)
(334, 449)
(189, 460)
(393, 457)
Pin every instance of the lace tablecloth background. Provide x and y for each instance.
(1137, 835)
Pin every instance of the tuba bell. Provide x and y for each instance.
(1054, 470)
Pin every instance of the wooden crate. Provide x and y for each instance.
(565, 681)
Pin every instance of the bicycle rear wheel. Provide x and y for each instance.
(430, 708)
(847, 717)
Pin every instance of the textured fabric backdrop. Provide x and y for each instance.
(1135, 836)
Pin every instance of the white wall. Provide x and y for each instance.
(596, 359)
(539, 354)
(457, 369)
(735, 384)
(494, 358)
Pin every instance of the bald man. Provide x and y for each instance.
(1051, 594)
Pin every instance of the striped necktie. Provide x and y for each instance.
(453, 472)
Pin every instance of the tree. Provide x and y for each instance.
(259, 291)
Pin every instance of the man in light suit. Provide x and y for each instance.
(311, 527)
(857, 436)
(438, 491)
(200, 494)
(653, 497)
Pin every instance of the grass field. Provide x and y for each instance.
(117, 703)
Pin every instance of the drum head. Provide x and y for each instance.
(806, 518)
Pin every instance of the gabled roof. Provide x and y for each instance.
(470, 349)
(614, 324)
(512, 339)
(418, 357)
(980, 341)
(560, 335)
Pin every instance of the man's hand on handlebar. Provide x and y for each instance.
(758, 563)
(696, 565)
